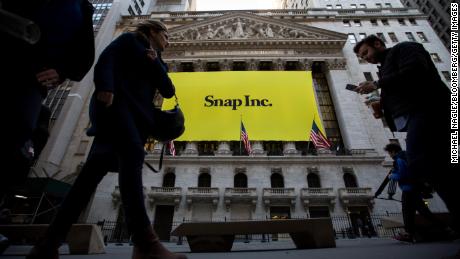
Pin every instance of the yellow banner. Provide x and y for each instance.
(273, 105)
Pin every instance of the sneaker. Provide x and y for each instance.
(405, 238)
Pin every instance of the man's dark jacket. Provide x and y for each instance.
(66, 43)
(410, 83)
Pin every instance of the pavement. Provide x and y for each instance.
(360, 248)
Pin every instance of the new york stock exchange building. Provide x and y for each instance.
(280, 73)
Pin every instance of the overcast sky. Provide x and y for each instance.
(208, 5)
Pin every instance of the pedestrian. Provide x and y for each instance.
(411, 198)
(415, 100)
(65, 50)
(127, 75)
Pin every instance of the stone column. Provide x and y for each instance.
(199, 65)
(279, 64)
(225, 65)
(347, 107)
(258, 149)
(223, 149)
(252, 65)
(190, 149)
(289, 149)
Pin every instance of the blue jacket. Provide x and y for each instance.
(400, 171)
(125, 70)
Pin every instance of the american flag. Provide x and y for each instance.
(319, 140)
(245, 139)
(172, 149)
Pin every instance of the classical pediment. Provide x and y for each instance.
(241, 26)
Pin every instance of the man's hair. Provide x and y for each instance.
(393, 147)
(144, 27)
(369, 40)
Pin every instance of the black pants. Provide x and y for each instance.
(128, 160)
(20, 111)
(428, 154)
(411, 202)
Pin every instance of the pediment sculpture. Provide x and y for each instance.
(243, 28)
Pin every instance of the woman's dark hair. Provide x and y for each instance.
(369, 40)
(393, 147)
(144, 27)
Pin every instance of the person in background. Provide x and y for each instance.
(411, 198)
(64, 50)
(415, 100)
(127, 76)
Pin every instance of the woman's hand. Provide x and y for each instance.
(152, 54)
(105, 97)
(48, 78)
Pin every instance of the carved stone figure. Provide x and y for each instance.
(239, 32)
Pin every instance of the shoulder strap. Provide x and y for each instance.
(160, 164)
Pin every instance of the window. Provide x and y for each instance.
(353, 6)
(240, 181)
(265, 65)
(374, 22)
(212, 66)
(378, 5)
(446, 75)
(385, 22)
(313, 181)
(169, 180)
(387, 5)
(393, 37)
(357, 23)
(138, 9)
(142, 2)
(402, 22)
(362, 6)
(277, 181)
(382, 37)
(239, 66)
(409, 36)
(368, 76)
(422, 36)
(412, 21)
(131, 11)
(362, 36)
(352, 38)
(338, 6)
(346, 23)
(204, 180)
(319, 211)
(435, 57)
(328, 6)
(349, 180)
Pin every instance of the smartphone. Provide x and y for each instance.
(351, 87)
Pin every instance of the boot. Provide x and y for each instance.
(44, 250)
(148, 246)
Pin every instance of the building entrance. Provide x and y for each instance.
(162, 223)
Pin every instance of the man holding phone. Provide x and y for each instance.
(415, 100)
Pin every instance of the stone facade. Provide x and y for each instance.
(204, 186)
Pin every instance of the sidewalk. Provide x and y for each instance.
(346, 248)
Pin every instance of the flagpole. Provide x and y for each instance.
(241, 129)
(308, 144)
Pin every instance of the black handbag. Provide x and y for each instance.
(168, 124)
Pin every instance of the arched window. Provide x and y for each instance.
(169, 180)
(313, 180)
(277, 180)
(204, 180)
(240, 181)
(350, 180)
